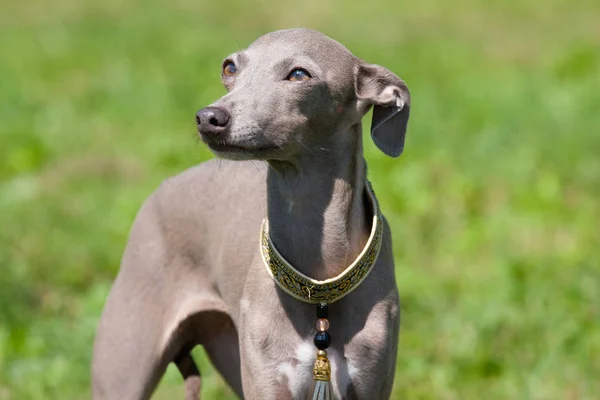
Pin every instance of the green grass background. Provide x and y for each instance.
(494, 206)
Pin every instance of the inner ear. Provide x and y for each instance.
(379, 86)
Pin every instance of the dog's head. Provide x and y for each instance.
(295, 90)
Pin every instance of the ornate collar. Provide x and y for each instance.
(309, 290)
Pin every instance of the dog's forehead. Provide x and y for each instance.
(298, 43)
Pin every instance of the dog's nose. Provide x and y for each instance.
(212, 120)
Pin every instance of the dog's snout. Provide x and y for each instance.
(212, 119)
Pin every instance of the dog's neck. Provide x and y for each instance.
(316, 208)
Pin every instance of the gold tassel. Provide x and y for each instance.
(322, 376)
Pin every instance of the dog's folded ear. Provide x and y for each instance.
(379, 87)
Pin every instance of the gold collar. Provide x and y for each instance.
(309, 290)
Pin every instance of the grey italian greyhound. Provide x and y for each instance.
(288, 136)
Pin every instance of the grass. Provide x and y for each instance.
(494, 206)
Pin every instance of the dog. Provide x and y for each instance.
(288, 141)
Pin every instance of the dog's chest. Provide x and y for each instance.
(297, 373)
(279, 361)
(276, 342)
(292, 371)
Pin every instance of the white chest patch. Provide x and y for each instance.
(299, 377)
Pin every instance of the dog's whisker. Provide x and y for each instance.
(255, 167)
(304, 146)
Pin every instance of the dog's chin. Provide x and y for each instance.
(241, 153)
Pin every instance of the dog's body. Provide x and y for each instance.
(192, 272)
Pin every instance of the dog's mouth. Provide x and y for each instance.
(232, 148)
(225, 149)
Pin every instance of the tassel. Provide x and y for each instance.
(322, 391)
(322, 376)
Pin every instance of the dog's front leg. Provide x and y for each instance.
(149, 318)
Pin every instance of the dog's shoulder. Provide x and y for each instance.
(211, 186)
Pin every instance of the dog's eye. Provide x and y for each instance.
(229, 69)
(298, 75)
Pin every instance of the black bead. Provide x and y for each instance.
(322, 311)
(322, 340)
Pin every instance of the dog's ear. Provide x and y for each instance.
(379, 87)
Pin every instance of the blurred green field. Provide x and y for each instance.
(494, 206)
